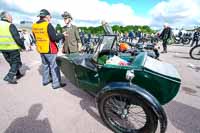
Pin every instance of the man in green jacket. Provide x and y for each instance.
(72, 42)
(10, 45)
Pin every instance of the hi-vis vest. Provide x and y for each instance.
(6, 40)
(41, 36)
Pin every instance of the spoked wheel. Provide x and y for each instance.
(125, 113)
(195, 52)
(186, 41)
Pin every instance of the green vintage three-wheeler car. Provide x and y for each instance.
(129, 98)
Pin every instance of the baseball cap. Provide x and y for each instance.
(44, 13)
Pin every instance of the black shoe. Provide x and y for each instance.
(6, 78)
(19, 76)
(44, 84)
(60, 86)
(63, 84)
(163, 52)
(13, 81)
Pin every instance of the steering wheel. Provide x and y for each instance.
(108, 52)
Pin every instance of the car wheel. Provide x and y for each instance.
(123, 112)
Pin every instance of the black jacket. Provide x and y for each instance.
(16, 36)
(196, 35)
(166, 33)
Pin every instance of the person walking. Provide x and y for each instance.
(27, 40)
(131, 36)
(195, 38)
(72, 41)
(165, 36)
(82, 36)
(46, 39)
(10, 45)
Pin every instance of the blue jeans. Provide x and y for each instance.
(60, 44)
(50, 70)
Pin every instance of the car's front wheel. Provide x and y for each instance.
(123, 112)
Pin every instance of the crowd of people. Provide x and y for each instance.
(44, 35)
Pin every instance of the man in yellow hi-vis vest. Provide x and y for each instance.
(46, 39)
(10, 45)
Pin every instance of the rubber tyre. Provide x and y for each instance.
(151, 118)
(192, 50)
(186, 41)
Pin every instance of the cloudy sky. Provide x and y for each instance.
(178, 13)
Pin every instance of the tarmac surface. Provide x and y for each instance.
(33, 108)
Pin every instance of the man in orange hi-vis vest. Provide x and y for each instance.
(46, 39)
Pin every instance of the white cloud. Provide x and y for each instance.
(178, 13)
(92, 10)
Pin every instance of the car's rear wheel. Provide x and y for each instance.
(126, 113)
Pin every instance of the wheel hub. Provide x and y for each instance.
(124, 114)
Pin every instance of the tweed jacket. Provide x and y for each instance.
(71, 42)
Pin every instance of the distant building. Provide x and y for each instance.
(198, 28)
(25, 25)
(26, 22)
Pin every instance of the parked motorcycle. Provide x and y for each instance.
(185, 39)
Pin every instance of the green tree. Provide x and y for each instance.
(117, 28)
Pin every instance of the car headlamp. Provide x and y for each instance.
(130, 75)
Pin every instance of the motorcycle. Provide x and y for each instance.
(185, 39)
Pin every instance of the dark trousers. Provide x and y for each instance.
(194, 41)
(156, 53)
(14, 60)
(131, 39)
(164, 45)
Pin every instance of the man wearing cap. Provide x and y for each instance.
(165, 36)
(72, 42)
(10, 45)
(46, 39)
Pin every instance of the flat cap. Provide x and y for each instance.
(66, 15)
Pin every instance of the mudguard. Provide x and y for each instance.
(136, 90)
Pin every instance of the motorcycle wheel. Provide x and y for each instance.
(195, 52)
(186, 41)
(123, 112)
